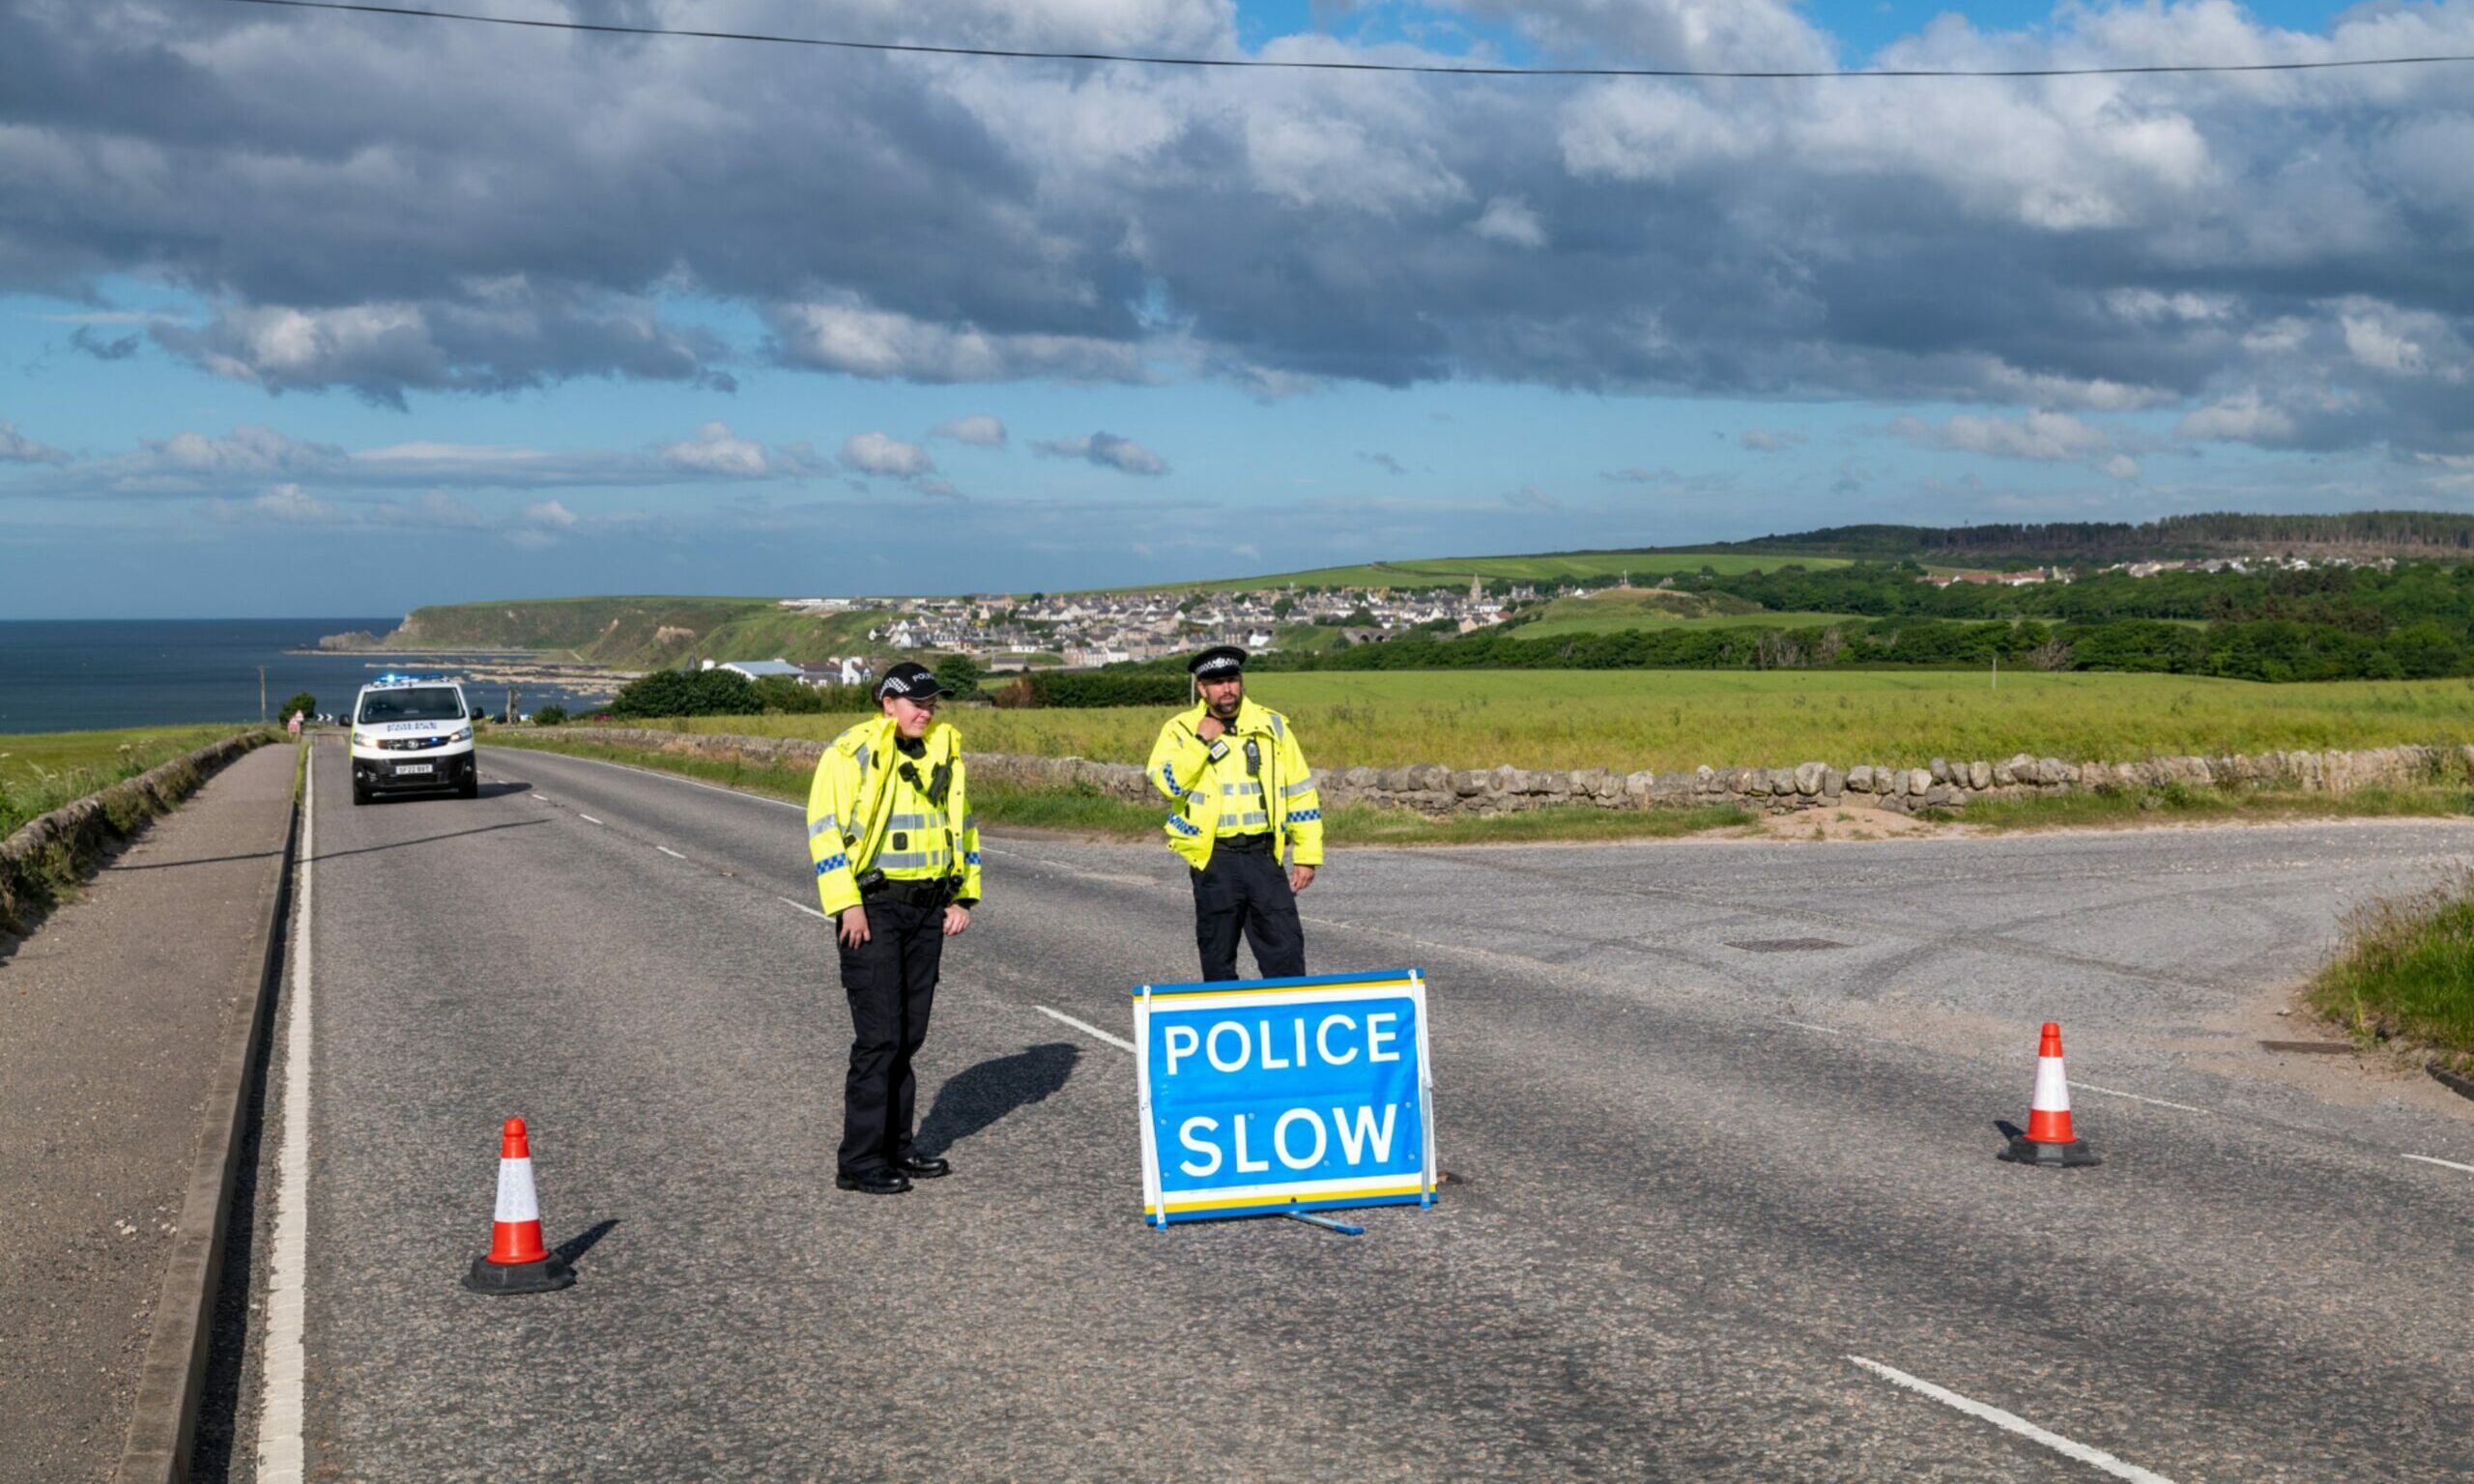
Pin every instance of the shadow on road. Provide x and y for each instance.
(496, 790)
(512, 824)
(977, 1097)
(582, 1242)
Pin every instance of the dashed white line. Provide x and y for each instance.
(2113, 1091)
(280, 1456)
(2094, 1458)
(736, 793)
(804, 907)
(1087, 1027)
(2444, 1163)
(588, 819)
(673, 854)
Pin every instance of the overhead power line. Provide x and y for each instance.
(1138, 58)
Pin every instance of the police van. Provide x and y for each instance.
(411, 734)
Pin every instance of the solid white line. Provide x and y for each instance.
(1118, 1042)
(588, 819)
(2094, 1458)
(673, 854)
(804, 907)
(2449, 1163)
(2110, 1092)
(1806, 1025)
(280, 1459)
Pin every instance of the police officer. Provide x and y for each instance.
(1243, 797)
(897, 864)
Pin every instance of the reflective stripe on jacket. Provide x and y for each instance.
(1217, 798)
(859, 802)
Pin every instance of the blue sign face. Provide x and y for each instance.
(1284, 1095)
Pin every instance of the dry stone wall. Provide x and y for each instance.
(1438, 790)
(51, 851)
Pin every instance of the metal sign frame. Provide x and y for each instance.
(1285, 1197)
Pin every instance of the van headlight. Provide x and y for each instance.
(362, 738)
(463, 733)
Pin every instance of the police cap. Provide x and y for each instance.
(1217, 662)
(911, 680)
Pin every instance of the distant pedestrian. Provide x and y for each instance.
(294, 725)
(1245, 798)
(897, 862)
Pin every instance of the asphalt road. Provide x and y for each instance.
(1697, 1179)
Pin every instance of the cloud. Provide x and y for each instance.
(1385, 462)
(338, 203)
(17, 448)
(552, 514)
(1508, 219)
(1530, 496)
(716, 450)
(2243, 419)
(1759, 440)
(1107, 451)
(284, 504)
(118, 348)
(874, 454)
(979, 430)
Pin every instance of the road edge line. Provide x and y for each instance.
(282, 1457)
(2094, 1458)
(162, 1424)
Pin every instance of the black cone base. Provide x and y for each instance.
(2061, 1156)
(547, 1276)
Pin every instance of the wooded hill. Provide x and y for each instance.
(2360, 534)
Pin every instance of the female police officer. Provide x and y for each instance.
(897, 864)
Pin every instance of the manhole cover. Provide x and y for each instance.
(1785, 945)
(2310, 1047)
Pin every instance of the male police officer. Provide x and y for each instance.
(1244, 795)
(897, 862)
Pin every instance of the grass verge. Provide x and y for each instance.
(2406, 971)
(1090, 810)
(2181, 803)
(40, 771)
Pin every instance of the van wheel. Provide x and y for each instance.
(471, 788)
(360, 795)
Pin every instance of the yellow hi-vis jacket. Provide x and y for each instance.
(863, 814)
(1215, 795)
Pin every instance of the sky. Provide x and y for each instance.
(312, 314)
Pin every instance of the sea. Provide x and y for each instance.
(82, 674)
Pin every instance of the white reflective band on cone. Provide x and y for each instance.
(516, 1200)
(2052, 1088)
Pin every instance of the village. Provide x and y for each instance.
(1084, 630)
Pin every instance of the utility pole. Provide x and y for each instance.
(262, 693)
(1997, 672)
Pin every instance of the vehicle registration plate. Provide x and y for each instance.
(402, 768)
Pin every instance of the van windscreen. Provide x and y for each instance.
(413, 703)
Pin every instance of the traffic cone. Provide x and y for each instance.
(517, 1263)
(2049, 1139)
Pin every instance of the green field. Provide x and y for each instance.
(1674, 720)
(40, 771)
(1566, 566)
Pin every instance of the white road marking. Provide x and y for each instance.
(736, 793)
(1806, 1025)
(2447, 1164)
(804, 907)
(673, 854)
(2094, 1458)
(1087, 1027)
(588, 819)
(2112, 1091)
(280, 1459)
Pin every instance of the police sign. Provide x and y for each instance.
(1277, 1095)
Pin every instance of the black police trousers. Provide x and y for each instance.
(1248, 892)
(891, 983)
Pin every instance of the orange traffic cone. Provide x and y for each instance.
(517, 1263)
(2049, 1139)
